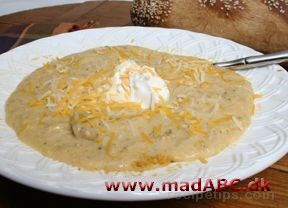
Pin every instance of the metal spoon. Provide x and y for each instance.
(255, 61)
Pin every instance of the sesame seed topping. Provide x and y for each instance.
(226, 6)
(150, 12)
(279, 6)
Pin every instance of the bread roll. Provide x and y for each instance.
(259, 24)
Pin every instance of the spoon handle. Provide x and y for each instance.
(255, 61)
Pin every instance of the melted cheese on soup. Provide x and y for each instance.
(130, 108)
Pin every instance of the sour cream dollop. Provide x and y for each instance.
(140, 84)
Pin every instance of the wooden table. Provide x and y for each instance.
(117, 14)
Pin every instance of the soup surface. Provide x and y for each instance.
(129, 108)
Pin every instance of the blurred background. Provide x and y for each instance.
(22, 21)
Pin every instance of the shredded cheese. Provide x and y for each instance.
(146, 138)
(237, 122)
(220, 120)
(156, 130)
(86, 96)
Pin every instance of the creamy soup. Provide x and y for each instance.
(130, 108)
